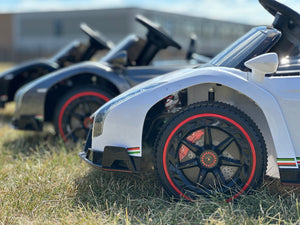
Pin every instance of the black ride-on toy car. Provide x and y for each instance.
(12, 79)
(68, 97)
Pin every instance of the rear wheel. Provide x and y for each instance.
(210, 148)
(72, 115)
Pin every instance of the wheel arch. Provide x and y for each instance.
(258, 104)
(78, 80)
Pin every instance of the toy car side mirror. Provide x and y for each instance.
(119, 60)
(262, 65)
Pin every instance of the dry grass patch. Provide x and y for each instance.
(43, 181)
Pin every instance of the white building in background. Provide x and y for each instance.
(36, 34)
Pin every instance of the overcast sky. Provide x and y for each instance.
(242, 11)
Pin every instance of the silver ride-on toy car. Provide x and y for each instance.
(66, 98)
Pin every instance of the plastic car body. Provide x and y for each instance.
(84, 87)
(12, 79)
(212, 128)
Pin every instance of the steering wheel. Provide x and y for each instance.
(96, 37)
(157, 31)
(290, 22)
(273, 7)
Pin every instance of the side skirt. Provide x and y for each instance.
(290, 176)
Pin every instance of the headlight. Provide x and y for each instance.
(98, 124)
(18, 99)
(99, 117)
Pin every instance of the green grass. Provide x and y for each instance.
(44, 182)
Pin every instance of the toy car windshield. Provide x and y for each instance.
(65, 51)
(124, 45)
(257, 41)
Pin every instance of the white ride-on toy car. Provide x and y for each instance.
(212, 128)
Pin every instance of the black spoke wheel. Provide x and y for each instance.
(210, 148)
(72, 115)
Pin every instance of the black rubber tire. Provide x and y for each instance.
(209, 148)
(71, 115)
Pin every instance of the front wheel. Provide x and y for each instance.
(72, 114)
(210, 148)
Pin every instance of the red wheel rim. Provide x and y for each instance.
(69, 101)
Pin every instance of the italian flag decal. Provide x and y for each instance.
(287, 161)
(132, 151)
(39, 117)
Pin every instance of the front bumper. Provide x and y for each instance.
(28, 123)
(113, 158)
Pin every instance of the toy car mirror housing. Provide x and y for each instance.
(262, 65)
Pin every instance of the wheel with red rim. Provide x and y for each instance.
(210, 148)
(72, 114)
